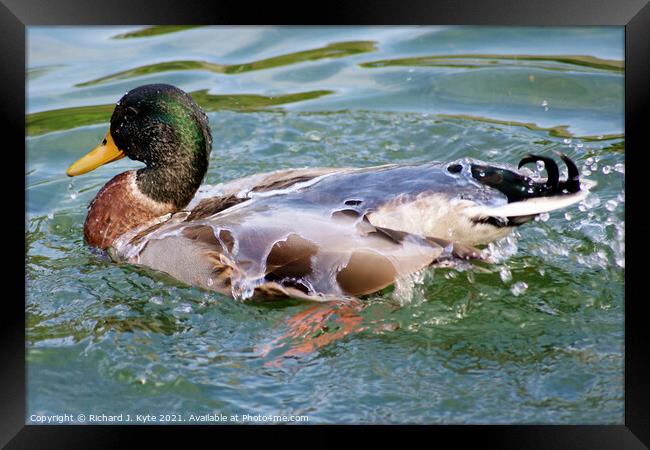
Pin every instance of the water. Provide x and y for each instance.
(536, 337)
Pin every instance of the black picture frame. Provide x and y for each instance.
(16, 15)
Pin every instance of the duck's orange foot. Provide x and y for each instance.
(319, 325)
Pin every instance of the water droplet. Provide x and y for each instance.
(71, 190)
(567, 215)
(594, 167)
(544, 217)
(450, 275)
(567, 141)
(580, 145)
(50, 215)
(505, 274)
(591, 201)
(611, 205)
(156, 300)
(183, 308)
(589, 161)
(544, 103)
(540, 165)
(586, 172)
(314, 136)
(620, 168)
(518, 288)
(607, 169)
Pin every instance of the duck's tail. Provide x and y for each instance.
(529, 197)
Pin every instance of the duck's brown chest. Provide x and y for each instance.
(118, 208)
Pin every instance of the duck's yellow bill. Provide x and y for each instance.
(104, 153)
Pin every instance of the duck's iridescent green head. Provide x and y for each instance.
(161, 126)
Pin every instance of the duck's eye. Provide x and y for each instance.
(131, 111)
(455, 168)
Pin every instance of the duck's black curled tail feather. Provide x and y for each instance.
(527, 197)
(517, 187)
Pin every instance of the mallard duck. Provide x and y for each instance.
(312, 233)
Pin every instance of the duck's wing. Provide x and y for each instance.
(210, 200)
(250, 252)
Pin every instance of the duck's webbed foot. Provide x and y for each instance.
(318, 326)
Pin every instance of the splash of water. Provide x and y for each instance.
(504, 248)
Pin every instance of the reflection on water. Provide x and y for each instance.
(552, 62)
(536, 337)
(153, 31)
(66, 118)
(335, 50)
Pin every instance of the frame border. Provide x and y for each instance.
(16, 15)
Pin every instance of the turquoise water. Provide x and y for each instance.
(536, 337)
